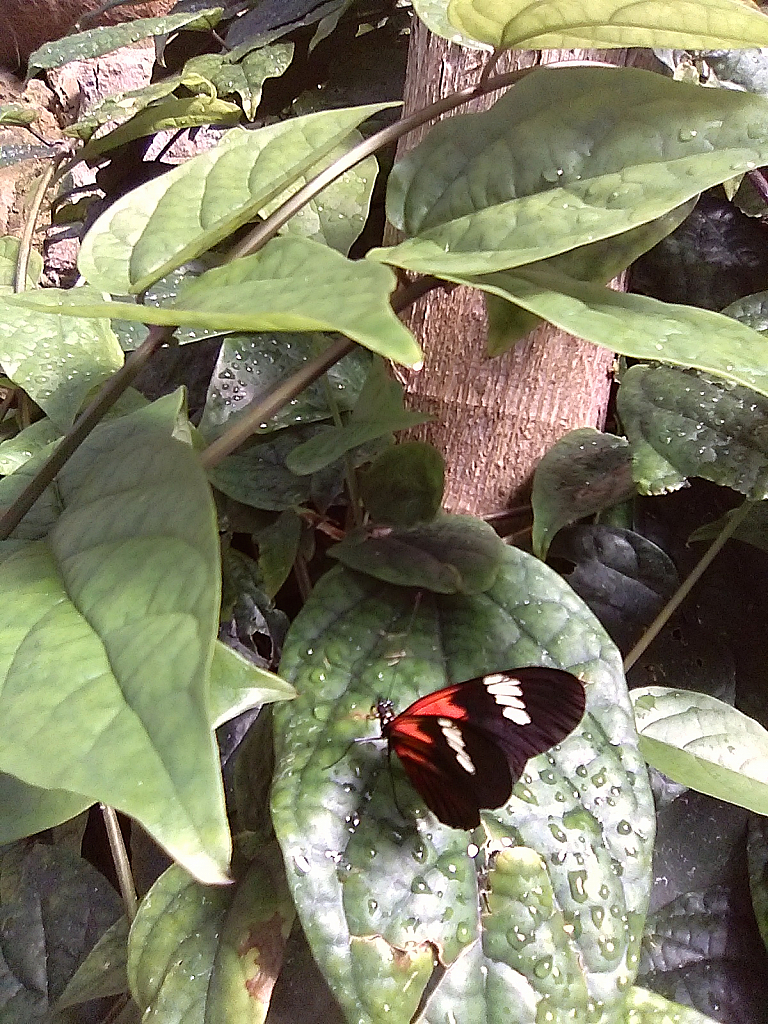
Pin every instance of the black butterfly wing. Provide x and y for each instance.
(454, 742)
(456, 771)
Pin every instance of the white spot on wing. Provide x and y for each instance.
(455, 741)
(507, 691)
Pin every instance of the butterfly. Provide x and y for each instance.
(465, 746)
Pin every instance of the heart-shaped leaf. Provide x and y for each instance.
(109, 625)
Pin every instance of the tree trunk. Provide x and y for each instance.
(495, 417)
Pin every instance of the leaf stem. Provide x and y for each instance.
(25, 244)
(121, 861)
(687, 585)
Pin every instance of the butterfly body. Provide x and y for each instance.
(465, 746)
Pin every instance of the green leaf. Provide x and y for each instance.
(9, 255)
(451, 555)
(644, 1007)
(704, 744)
(278, 547)
(109, 626)
(103, 972)
(244, 78)
(28, 442)
(598, 262)
(752, 311)
(173, 113)
(97, 41)
(567, 157)
(697, 427)
(54, 906)
(379, 411)
(258, 475)
(380, 886)
(120, 107)
(292, 284)
(27, 810)
(404, 484)
(250, 366)
(679, 24)
(238, 684)
(215, 952)
(170, 220)
(636, 326)
(583, 473)
(56, 361)
(19, 114)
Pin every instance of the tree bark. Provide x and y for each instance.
(494, 417)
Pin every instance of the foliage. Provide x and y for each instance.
(122, 650)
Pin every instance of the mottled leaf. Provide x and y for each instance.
(697, 426)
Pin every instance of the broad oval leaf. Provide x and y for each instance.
(584, 472)
(676, 24)
(634, 325)
(451, 555)
(109, 624)
(404, 485)
(172, 219)
(697, 427)
(705, 744)
(567, 157)
(292, 284)
(382, 887)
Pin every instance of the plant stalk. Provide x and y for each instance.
(687, 585)
(121, 861)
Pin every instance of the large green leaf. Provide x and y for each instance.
(27, 810)
(56, 361)
(245, 77)
(636, 326)
(97, 41)
(170, 220)
(567, 157)
(705, 744)
(583, 473)
(196, 953)
(695, 426)
(383, 890)
(677, 24)
(292, 284)
(108, 627)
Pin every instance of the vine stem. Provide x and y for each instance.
(121, 861)
(687, 585)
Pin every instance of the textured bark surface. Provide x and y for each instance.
(27, 24)
(495, 418)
